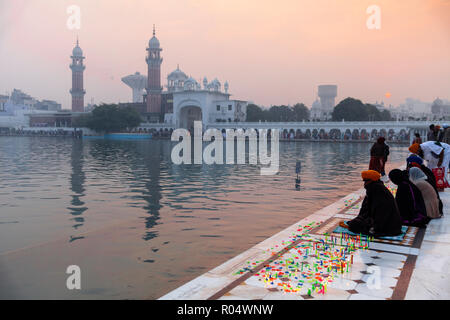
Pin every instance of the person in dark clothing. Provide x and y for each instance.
(416, 161)
(432, 136)
(409, 200)
(417, 138)
(379, 215)
(378, 155)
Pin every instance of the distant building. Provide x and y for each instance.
(137, 83)
(322, 108)
(48, 105)
(440, 109)
(20, 98)
(3, 101)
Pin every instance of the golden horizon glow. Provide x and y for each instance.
(269, 54)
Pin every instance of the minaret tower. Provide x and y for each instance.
(77, 90)
(154, 87)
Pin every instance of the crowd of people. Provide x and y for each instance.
(42, 133)
(417, 198)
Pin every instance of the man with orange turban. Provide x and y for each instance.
(379, 215)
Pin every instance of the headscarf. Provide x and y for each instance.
(371, 175)
(414, 158)
(415, 174)
(397, 176)
(381, 140)
(414, 148)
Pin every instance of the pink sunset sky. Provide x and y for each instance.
(271, 52)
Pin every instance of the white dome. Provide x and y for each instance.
(77, 52)
(316, 104)
(190, 84)
(177, 75)
(153, 43)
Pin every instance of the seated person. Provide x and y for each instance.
(378, 215)
(416, 161)
(430, 198)
(409, 200)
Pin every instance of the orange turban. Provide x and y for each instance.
(414, 148)
(371, 175)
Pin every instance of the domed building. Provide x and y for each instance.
(175, 80)
(185, 100)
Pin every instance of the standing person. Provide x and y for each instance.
(446, 138)
(439, 133)
(437, 155)
(379, 215)
(409, 200)
(430, 198)
(431, 136)
(417, 138)
(378, 156)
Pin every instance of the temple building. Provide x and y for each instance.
(184, 99)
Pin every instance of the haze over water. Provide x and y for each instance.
(139, 226)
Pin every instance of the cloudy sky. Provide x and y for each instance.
(271, 52)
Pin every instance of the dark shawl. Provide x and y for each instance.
(378, 215)
(409, 200)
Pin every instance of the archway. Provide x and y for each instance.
(355, 134)
(188, 115)
(335, 134)
(374, 134)
(364, 134)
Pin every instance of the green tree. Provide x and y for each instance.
(300, 112)
(254, 113)
(351, 109)
(110, 118)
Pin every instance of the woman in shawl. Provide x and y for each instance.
(379, 215)
(430, 198)
(378, 155)
(409, 200)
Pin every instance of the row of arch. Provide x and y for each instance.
(315, 134)
(348, 134)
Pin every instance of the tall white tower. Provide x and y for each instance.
(327, 95)
(137, 83)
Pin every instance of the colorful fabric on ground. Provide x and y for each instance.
(400, 237)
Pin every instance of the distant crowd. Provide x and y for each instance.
(417, 199)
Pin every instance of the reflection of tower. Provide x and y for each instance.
(327, 95)
(77, 90)
(77, 179)
(154, 88)
(137, 83)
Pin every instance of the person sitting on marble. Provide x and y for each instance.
(379, 215)
(429, 195)
(409, 200)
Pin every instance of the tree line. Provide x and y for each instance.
(349, 109)
(109, 118)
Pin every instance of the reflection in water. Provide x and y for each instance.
(175, 221)
(151, 193)
(77, 180)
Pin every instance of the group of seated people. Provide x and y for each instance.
(415, 203)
